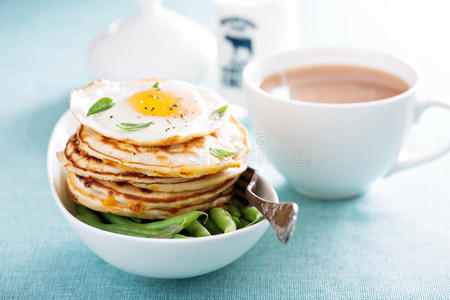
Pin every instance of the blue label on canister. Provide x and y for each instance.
(237, 37)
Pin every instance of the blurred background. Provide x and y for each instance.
(43, 40)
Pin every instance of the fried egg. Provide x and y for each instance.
(149, 112)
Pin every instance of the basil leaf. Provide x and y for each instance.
(218, 113)
(133, 126)
(103, 104)
(220, 153)
(156, 85)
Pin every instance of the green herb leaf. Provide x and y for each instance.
(156, 85)
(220, 153)
(133, 126)
(218, 113)
(103, 104)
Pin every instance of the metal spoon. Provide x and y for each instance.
(282, 216)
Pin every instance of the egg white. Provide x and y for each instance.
(165, 130)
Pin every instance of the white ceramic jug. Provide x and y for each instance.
(157, 43)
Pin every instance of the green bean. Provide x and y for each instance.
(251, 213)
(170, 230)
(236, 221)
(223, 219)
(237, 216)
(196, 229)
(184, 219)
(180, 236)
(237, 203)
(86, 212)
(257, 220)
(244, 222)
(212, 227)
(234, 210)
(128, 230)
(114, 219)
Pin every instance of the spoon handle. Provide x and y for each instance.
(282, 216)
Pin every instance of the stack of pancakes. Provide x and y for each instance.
(154, 182)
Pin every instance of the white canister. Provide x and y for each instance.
(246, 29)
(157, 43)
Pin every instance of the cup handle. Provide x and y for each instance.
(430, 155)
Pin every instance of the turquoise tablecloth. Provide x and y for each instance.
(393, 243)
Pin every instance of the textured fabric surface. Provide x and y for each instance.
(392, 243)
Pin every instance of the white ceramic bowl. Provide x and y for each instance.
(159, 258)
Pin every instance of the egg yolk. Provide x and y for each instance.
(159, 103)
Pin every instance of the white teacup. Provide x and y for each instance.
(335, 150)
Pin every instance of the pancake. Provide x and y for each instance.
(127, 200)
(177, 165)
(191, 159)
(78, 162)
(196, 184)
